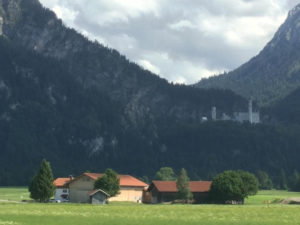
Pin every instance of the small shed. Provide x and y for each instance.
(98, 197)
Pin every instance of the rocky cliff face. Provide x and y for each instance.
(271, 75)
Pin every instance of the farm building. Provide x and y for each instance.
(166, 191)
(98, 197)
(62, 190)
(131, 189)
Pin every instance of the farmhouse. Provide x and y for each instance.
(81, 188)
(166, 191)
(62, 190)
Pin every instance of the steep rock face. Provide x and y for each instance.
(271, 75)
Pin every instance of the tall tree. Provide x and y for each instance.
(265, 182)
(41, 187)
(109, 182)
(293, 181)
(297, 185)
(182, 185)
(282, 180)
(165, 174)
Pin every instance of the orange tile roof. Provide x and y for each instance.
(170, 186)
(61, 182)
(125, 180)
(130, 181)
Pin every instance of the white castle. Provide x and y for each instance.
(250, 116)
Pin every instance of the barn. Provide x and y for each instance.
(166, 191)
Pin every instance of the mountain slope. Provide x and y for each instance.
(272, 74)
(287, 110)
(93, 65)
(81, 105)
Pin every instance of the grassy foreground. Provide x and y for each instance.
(254, 213)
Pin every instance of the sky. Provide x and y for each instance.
(180, 40)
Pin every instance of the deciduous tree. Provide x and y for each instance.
(109, 182)
(165, 174)
(233, 186)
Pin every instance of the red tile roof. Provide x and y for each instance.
(170, 186)
(125, 180)
(61, 182)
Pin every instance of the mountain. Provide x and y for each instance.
(273, 73)
(83, 106)
(287, 110)
(80, 104)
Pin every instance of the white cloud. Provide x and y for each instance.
(180, 40)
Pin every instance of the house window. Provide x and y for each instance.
(65, 190)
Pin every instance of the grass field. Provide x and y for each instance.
(14, 194)
(254, 212)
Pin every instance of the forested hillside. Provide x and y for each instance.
(287, 110)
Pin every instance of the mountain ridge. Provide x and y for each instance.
(273, 73)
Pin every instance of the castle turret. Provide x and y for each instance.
(250, 111)
(214, 114)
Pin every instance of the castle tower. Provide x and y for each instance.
(214, 113)
(250, 111)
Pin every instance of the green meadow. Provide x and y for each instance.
(254, 212)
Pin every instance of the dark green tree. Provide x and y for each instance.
(227, 186)
(265, 182)
(165, 174)
(282, 180)
(293, 181)
(297, 185)
(109, 182)
(41, 187)
(233, 185)
(182, 185)
(250, 183)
